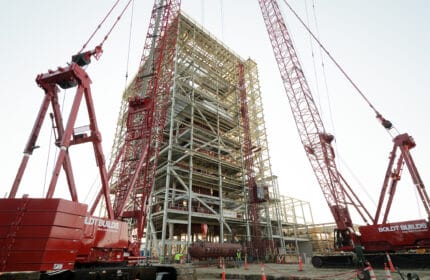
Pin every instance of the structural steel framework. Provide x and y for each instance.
(200, 190)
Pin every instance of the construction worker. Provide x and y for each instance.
(238, 258)
(178, 257)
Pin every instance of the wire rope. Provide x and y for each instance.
(324, 76)
(99, 26)
(322, 49)
(98, 49)
(203, 12)
(384, 122)
(327, 91)
(47, 161)
(325, 80)
(50, 142)
(313, 61)
(115, 23)
(90, 189)
(222, 19)
(129, 43)
(95, 181)
(360, 184)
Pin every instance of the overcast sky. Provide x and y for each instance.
(383, 45)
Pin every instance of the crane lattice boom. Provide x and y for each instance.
(146, 117)
(315, 139)
(249, 162)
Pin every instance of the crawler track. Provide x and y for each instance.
(403, 261)
(111, 273)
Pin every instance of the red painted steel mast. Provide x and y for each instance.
(249, 164)
(146, 117)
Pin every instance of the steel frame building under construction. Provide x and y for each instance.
(201, 189)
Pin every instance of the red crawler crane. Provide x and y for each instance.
(59, 235)
(63, 236)
(315, 139)
(378, 237)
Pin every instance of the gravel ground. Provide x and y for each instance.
(288, 271)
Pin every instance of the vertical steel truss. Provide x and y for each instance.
(248, 159)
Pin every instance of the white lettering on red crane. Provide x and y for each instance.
(404, 227)
(102, 223)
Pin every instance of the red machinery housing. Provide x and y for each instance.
(397, 236)
(55, 234)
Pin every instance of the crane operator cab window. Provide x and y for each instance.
(342, 238)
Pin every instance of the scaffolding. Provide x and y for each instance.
(200, 190)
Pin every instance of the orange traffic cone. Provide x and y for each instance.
(263, 276)
(245, 264)
(300, 264)
(371, 272)
(387, 272)
(390, 263)
(223, 272)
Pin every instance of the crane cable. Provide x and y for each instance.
(338, 158)
(97, 55)
(222, 19)
(323, 68)
(385, 123)
(95, 181)
(101, 23)
(129, 44)
(324, 76)
(203, 12)
(51, 136)
(311, 45)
